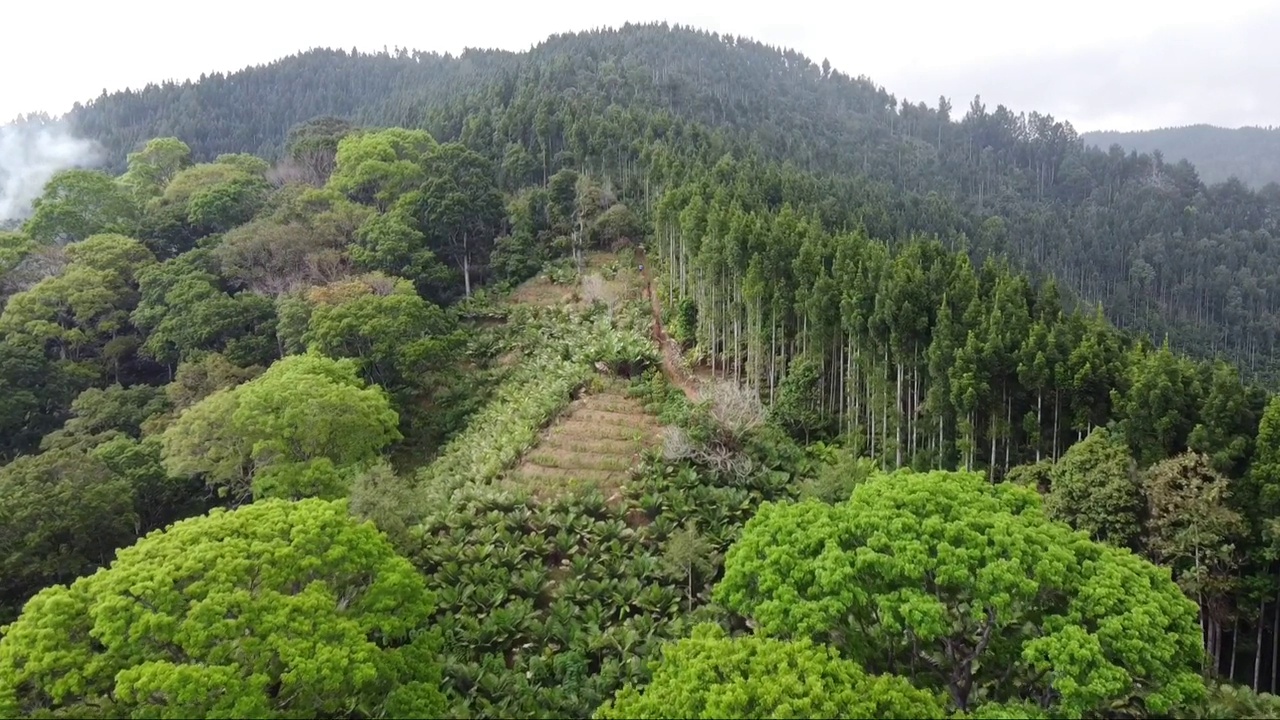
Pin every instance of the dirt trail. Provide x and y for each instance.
(672, 366)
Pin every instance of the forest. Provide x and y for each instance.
(588, 382)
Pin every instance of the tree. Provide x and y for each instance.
(688, 555)
(81, 312)
(190, 622)
(79, 203)
(710, 675)
(37, 394)
(1095, 488)
(302, 410)
(64, 514)
(272, 258)
(99, 413)
(382, 324)
(376, 168)
(151, 168)
(968, 588)
(183, 311)
(313, 146)
(1158, 408)
(390, 243)
(1193, 529)
(459, 204)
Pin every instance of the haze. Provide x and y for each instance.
(1101, 64)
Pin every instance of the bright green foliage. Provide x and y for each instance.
(968, 587)
(79, 313)
(378, 167)
(277, 609)
(77, 204)
(710, 675)
(1095, 488)
(302, 409)
(152, 167)
(392, 334)
(390, 243)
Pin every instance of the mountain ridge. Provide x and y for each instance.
(1251, 153)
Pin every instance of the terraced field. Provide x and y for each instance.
(594, 444)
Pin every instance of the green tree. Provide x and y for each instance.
(390, 243)
(152, 168)
(1095, 488)
(64, 515)
(37, 393)
(392, 334)
(459, 204)
(376, 168)
(191, 622)
(79, 203)
(710, 675)
(968, 588)
(312, 146)
(83, 313)
(1193, 529)
(1159, 406)
(688, 556)
(303, 409)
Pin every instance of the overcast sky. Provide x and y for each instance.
(1102, 64)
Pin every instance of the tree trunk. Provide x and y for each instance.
(466, 265)
(1257, 651)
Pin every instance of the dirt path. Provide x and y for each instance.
(671, 364)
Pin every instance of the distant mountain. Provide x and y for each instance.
(1251, 154)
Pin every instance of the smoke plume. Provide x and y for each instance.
(30, 154)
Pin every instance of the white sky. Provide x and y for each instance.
(1102, 64)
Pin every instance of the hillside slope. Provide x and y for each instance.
(1250, 154)
(1165, 254)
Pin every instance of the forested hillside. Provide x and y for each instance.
(1162, 251)
(599, 399)
(1250, 154)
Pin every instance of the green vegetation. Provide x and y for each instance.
(387, 419)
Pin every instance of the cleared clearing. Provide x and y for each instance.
(598, 439)
(606, 276)
(595, 443)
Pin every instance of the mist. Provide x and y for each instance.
(30, 154)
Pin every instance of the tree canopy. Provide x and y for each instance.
(970, 589)
(273, 610)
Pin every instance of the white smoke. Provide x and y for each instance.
(30, 154)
